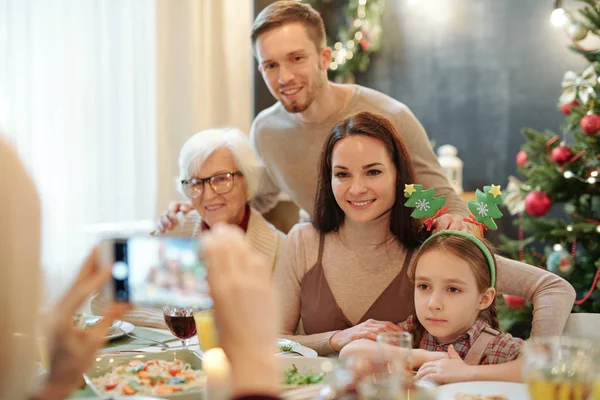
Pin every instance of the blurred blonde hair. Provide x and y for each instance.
(199, 147)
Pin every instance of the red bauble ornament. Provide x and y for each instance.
(590, 124)
(513, 301)
(522, 159)
(537, 203)
(561, 154)
(566, 108)
(364, 44)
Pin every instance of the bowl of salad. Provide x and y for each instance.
(302, 371)
(175, 374)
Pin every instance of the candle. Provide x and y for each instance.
(218, 375)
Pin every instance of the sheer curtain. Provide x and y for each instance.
(99, 95)
(77, 99)
(204, 66)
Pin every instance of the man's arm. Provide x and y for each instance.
(266, 197)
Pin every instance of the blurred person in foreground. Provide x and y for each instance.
(71, 349)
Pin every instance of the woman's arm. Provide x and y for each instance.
(552, 296)
(287, 277)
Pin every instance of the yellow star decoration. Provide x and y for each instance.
(409, 189)
(495, 191)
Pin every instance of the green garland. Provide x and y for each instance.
(357, 39)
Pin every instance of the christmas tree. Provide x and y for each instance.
(561, 172)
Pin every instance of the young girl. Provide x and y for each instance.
(454, 275)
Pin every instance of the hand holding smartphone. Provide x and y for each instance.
(156, 271)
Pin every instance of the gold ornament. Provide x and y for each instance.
(514, 196)
(579, 85)
(576, 31)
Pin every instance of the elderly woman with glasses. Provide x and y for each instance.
(220, 173)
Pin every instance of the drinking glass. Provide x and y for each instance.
(205, 326)
(397, 347)
(560, 367)
(375, 377)
(180, 321)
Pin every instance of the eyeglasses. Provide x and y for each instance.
(221, 184)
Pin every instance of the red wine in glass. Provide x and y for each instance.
(181, 323)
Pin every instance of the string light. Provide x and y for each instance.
(591, 180)
(569, 228)
(345, 51)
(558, 18)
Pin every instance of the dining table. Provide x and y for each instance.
(143, 340)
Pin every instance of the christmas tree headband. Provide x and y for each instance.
(483, 212)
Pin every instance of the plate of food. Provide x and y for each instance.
(483, 391)
(175, 374)
(286, 347)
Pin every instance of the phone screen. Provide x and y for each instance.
(158, 271)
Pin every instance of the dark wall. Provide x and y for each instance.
(262, 97)
(475, 72)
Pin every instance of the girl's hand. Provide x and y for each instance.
(420, 357)
(366, 330)
(446, 370)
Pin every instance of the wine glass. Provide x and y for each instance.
(559, 367)
(180, 321)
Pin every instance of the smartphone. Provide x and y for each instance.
(156, 271)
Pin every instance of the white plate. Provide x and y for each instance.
(513, 391)
(133, 398)
(119, 329)
(297, 347)
(305, 365)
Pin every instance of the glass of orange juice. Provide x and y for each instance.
(557, 368)
(206, 329)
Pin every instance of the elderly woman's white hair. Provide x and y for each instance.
(199, 147)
